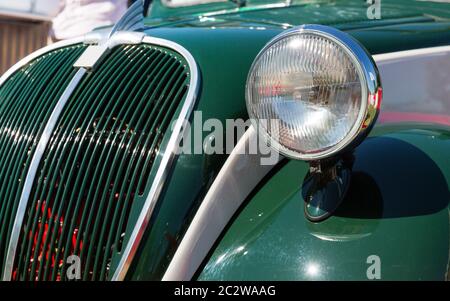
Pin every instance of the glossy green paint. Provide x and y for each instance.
(345, 15)
(224, 45)
(397, 208)
(404, 24)
(290, 13)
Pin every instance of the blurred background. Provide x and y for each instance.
(27, 25)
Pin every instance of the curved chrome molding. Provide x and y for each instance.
(35, 161)
(238, 177)
(167, 159)
(125, 37)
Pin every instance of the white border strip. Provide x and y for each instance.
(237, 178)
(381, 58)
(31, 175)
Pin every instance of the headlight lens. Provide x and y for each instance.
(308, 92)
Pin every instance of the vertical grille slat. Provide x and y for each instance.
(120, 157)
(101, 153)
(165, 73)
(27, 98)
(65, 83)
(119, 186)
(67, 173)
(70, 153)
(103, 75)
(98, 161)
(45, 246)
(74, 122)
(57, 82)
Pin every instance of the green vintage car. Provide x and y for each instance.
(232, 140)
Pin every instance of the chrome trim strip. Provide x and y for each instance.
(168, 157)
(36, 160)
(94, 54)
(235, 181)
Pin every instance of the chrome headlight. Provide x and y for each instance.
(312, 91)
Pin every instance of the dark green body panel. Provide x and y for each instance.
(404, 24)
(396, 208)
(224, 45)
(279, 12)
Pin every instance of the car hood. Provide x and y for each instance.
(402, 25)
(349, 14)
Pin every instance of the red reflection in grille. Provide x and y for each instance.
(39, 244)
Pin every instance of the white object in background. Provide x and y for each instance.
(46, 7)
(19, 6)
(79, 17)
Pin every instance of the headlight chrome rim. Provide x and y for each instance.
(371, 91)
